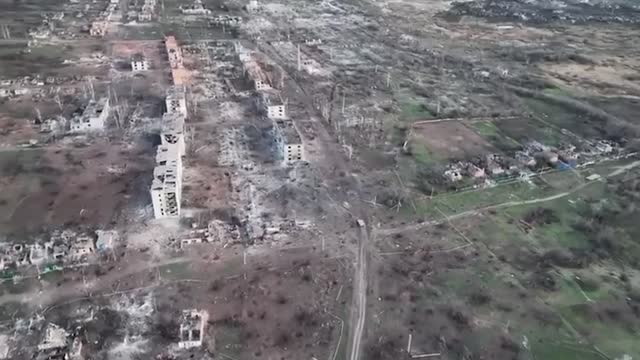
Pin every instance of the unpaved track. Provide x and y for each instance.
(360, 295)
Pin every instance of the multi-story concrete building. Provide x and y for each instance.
(93, 118)
(176, 100)
(172, 133)
(166, 188)
(288, 142)
(272, 105)
(139, 63)
(173, 52)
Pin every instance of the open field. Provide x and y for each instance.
(538, 280)
(40, 196)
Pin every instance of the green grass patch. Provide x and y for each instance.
(472, 199)
(177, 271)
(613, 338)
(563, 117)
(412, 107)
(230, 340)
(488, 130)
(414, 110)
(557, 91)
(422, 154)
(564, 351)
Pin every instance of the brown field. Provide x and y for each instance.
(54, 187)
(451, 140)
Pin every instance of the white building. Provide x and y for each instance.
(176, 100)
(273, 106)
(166, 187)
(261, 80)
(192, 328)
(139, 63)
(174, 53)
(172, 133)
(253, 6)
(196, 9)
(93, 118)
(288, 142)
(98, 28)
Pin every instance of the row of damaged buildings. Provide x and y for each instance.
(65, 248)
(166, 186)
(75, 342)
(271, 104)
(534, 155)
(100, 25)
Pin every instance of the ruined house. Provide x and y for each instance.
(192, 328)
(195, 9)
(568, 154)
(93, 117)
(495, 164)
(82, 248)
(453, 174)
(106, 240)
(474, 171)
(55, 345)
(253, 6)
(525, 158)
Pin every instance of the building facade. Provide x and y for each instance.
(176, 100)
(166, 187)
(288, 142)
(93, 118)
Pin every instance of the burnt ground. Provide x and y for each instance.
(86, 184)
(546, 12)
(253, 311)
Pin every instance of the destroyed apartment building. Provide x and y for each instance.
(166, 187)
(262, 80)
(173, 52)
(56, 345)
(176, 100)
(172, 132)
(139, 63)
(93, 117)
(147, 11)
(288, 142)
(192, 328)
(100, 25)
(271, 104)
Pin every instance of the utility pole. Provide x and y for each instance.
(93, 94)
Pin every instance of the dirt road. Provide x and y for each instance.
(360, 295)
(334, 156)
